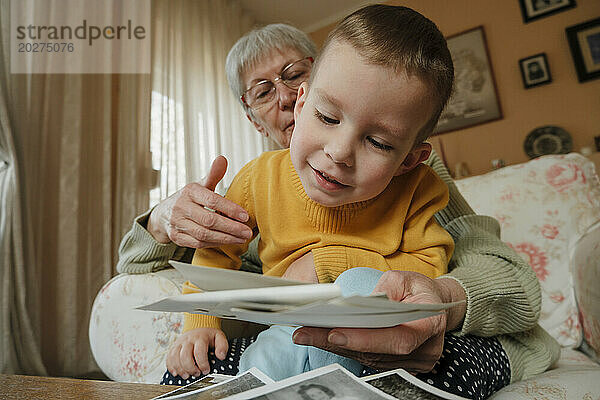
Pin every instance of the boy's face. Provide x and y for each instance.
(356, 126)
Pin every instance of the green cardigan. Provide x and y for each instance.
(503, 293)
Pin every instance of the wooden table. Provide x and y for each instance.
(40, 387)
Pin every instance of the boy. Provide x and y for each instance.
(351, 191)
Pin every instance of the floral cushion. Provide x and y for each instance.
(543, 206)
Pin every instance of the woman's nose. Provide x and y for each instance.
(286, 97)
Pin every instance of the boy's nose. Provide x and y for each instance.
(340, 151)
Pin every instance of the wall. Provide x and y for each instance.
(565, 102)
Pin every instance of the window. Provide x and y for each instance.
(167, 144)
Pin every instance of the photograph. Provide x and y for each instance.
(535, 9)
(535, 70)
(394, 383)
(584, 42)
(332, 382)
(475, 99)
(218, 387)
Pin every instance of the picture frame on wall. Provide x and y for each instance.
(584, 42)
(536, 9)
(535, 70)
(475, 99)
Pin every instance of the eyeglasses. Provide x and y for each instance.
(264, 92)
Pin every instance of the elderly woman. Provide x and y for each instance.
(265, 69)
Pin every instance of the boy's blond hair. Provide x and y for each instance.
(400, 38)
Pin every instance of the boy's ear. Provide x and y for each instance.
(417, 155)
(300, 100)
(257, 126)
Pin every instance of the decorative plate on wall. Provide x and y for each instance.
(547, 140)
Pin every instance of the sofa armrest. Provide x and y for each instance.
(585, 272)
(131, 345)
(574, 377)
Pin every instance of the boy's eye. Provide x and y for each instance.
(379, 145)
(325, 119)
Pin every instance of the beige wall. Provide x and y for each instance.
(565, 102)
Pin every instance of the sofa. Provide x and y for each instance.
(549, 212)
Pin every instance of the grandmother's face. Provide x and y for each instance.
(275, 120)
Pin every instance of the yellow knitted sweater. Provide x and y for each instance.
(394, 230)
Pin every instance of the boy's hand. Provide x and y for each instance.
(303, 269)
(189, 354)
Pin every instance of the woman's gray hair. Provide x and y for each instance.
(256, 44)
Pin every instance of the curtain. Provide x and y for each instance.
(74, 165)
(19, 296)
(195, 117)
(81, 150)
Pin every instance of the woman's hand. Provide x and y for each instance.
(415, 346)
(183, 218)
(189, 354)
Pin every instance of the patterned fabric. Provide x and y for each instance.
(131, 345)
(543, 206)
(470, 366)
